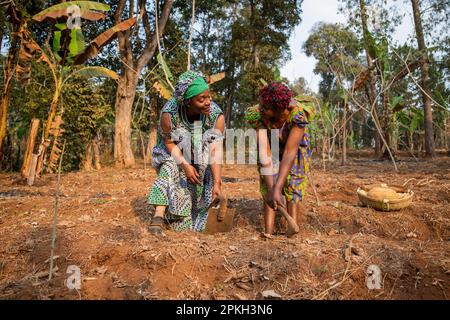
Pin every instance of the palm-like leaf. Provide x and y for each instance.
(165, 67)
(216, 77)
(92, 72)
(89, 11)
(163, 89)
(102, 40)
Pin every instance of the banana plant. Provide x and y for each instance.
(68, 52)
(410, 120)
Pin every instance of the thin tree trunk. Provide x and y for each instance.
(370, 65)
(387, 124)
(447, 135)
(96, 147)
(55, 151)
(229, 107)
(45, 140)
(411, 142)
(344, 136)
(1, 37)
(425, 66)
(53, 108)
(361, 125)
(87, 162)
(6, 92)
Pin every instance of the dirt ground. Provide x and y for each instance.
(103, 217)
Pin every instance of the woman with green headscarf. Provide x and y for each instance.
(190, 135)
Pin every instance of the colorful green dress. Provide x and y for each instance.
(187, 204)
(295, 187)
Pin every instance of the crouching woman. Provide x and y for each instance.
(187, 157)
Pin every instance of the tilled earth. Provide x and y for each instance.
(102, 229)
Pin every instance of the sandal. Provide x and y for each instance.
(157, 225)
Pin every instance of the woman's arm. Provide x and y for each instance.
(191, 174)
(265, 157)
(216, 158)
(289, 154)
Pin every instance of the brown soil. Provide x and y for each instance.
(103, 218)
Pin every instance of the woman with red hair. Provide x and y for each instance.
(278, 110)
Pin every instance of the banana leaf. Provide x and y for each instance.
(89, 11)
(102, 40)
(164, 65)
(94, 71)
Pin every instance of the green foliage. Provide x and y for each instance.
(166, 69)
(86, 109)
(336, 50)
(246, 39)
(77, 44)
(86, 105)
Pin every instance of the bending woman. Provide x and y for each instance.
(277, 110)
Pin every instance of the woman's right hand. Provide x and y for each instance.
(191, 174)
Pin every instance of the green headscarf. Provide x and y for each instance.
(196, 87)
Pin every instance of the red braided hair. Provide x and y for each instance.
(275, 95)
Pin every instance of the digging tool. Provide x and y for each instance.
(220, 217)
(292, 225)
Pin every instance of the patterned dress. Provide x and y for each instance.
(295, 187)
(187, 204)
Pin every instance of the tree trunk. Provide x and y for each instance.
(126, 91)
(361, 126)
(229, 107)
(87, 162)
(131, 70)
(425, 66)
(371, 80)
(6, 92)
(56, 132)
(45, 142)
(344, 136)
(96, 147)
(1, 37)
(387, 125)
(30, 147)
(411, 142)
(447, 135)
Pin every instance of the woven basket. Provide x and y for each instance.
(403, 200)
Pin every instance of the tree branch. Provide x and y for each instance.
(121, 36)
(151, 42)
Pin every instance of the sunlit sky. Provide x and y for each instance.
(315, 11)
